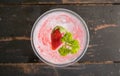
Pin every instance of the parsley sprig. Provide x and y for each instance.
(70, 46)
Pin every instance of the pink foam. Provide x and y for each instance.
(68, 21)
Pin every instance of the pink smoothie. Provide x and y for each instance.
(42, 36)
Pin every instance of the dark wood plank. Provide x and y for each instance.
(30, 1)
(37, 69)
(91, 1)
(56, 1)
(17, 51)
(16, 23)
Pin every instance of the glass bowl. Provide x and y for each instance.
(41, 24)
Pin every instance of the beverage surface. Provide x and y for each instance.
(42, 36)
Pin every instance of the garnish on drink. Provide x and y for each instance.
(60, 36)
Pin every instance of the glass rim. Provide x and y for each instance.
(85, 46)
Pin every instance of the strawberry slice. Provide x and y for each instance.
(56, 36)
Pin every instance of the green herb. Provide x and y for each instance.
(62, 30)
(64, 51)
(70, 45)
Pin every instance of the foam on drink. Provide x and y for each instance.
(42, 36)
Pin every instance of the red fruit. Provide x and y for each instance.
(56, 38)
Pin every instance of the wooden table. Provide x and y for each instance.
(18, 59)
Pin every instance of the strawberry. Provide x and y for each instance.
(56, 36)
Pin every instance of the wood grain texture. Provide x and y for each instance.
(16, 23)
(56, 1)
(91, 1)
(30, 1)
(38, 69)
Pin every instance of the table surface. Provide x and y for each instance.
(18, 59)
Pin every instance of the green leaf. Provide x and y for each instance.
(75, 46)
(70, 46)
(74, 51)
(67, 37)
(64, 51)
(62, 30)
